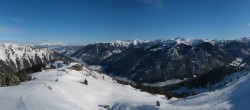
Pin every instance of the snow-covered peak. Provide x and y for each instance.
(191, 42)
(128, 43)
(136, 42)
(121, 43)
(178, 40)
(183, 41)
(243, 39)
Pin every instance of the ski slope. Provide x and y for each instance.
(234, 96)
(68, 93)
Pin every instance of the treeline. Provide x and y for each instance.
(23, 74)
(11, 79)
(157, 90)
(210, 78)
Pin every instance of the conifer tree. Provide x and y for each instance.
(157, 103)
(85, 82)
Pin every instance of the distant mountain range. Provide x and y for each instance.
(60, 48)
(138, 60)
(53, 87)
(162, 60)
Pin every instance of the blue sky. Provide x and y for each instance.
(87, 21)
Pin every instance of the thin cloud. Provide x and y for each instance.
(248, 24)
(159, 4)
(10, 30)
(14, 19)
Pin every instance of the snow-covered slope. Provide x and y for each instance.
(68, 93)
(16, 57)
(234, 96)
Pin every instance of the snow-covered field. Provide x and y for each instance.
(68, 93)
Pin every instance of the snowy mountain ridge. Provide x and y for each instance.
(20, 56)
(127, 43)
(177, 40)
(156, 61)
(243, 40)
(17, 61)
(164, 59)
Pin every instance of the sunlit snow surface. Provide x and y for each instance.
(69, 94)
